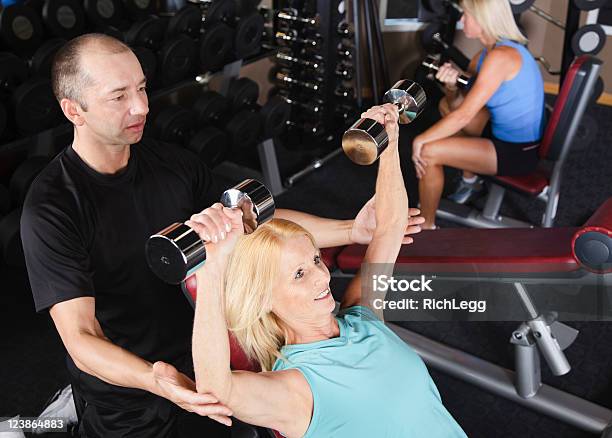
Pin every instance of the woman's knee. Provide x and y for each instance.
(431, 153)
(443, 107)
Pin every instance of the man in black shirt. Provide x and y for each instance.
(84, 226)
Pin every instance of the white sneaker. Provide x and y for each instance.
(466, 191)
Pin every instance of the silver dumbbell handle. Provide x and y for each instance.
(288, 79)
(292, 36)
(291, 14)
(292, 59)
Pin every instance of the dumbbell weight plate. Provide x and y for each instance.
(211, 108)
(589, 5)
(243, 129)
(249, 30)
(43, 57)
(520, 6)
(243, 92)
(35, 106)
(64, 18)
(10, 239)
(138, 9)
(188, 21)
(220, 10)
(588, 40)
(176, 59)
(23, 176)
(215, 46)
(148, 62)
(174, 125)
(274, 116)
(211, 145)
(104, 13)
(149, 33)
(13, 72)
(21, 28)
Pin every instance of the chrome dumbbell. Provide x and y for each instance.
(366, 139)
(175, 252)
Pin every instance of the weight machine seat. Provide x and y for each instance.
(509, 250)
(328, 255)
(561, 128)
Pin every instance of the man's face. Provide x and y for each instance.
(116, 101)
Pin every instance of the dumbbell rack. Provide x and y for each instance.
(329, 17)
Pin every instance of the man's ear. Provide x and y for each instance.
(73, 111)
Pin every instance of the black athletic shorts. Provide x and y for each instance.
(513, 158)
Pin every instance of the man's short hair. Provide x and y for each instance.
(67, 77)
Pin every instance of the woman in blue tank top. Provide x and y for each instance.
(496, 126)
(344, 376)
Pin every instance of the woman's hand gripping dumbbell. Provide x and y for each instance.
(446, 73)
(177, 251)
(366, 139)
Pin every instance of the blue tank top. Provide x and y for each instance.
(517, 107)
(368, 383)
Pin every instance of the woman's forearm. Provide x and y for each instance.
(391, 196)
(454, 122)
(211, 353)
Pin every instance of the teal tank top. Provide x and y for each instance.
(368, 383)
(517, 107)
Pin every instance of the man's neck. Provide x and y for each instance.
(103, 158)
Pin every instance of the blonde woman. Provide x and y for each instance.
(496, 127)
(323, 375)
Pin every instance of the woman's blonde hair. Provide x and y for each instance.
(250, 276)
(496, 19)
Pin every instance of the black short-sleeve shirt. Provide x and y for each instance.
(84, 234)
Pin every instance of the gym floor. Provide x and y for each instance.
(32, 356)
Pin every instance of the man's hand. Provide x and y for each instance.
(365, 224)
(181, 390)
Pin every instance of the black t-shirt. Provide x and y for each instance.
(84, 234)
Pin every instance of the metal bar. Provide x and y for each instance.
(311, 167)
(572, 22)
(546, 16)
(526, 300)
(380, 45)
(357, 53)
(269, 166)
(368, 26)
(550, 401)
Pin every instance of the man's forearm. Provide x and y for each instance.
(327, 232)
(108, 362)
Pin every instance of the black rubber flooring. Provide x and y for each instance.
(32, 356)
